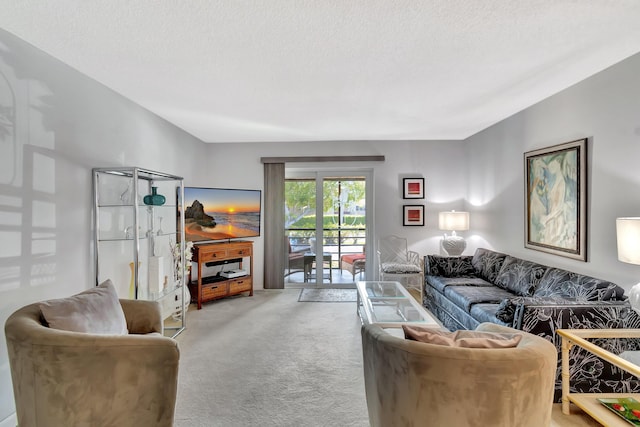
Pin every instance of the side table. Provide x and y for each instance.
(588, 401)
(309, 259)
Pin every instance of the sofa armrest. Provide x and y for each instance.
(588, 373)
(143, 317)
(526, 312)
(544, 318)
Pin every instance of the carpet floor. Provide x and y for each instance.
(267, 360)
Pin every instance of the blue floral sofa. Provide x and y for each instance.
(494, 287)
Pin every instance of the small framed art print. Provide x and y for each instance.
(413, 215)
(413, 188)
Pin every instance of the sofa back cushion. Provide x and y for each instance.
(566, 284)
(519, 276)
(487, 263)
(459, 266)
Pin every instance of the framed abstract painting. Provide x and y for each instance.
(556, 199)
(413, 215)
(413, 188)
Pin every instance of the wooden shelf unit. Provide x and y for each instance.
(214, 287)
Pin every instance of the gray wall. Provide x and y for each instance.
(605, 109)
(441, 163)
(55, 125)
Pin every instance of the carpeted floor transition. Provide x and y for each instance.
(327, 295)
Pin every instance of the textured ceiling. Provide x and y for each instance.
(319, 70)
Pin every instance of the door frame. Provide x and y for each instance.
(319, 174)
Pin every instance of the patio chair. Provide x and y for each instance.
(295, 260)
(397, 263)
(353, 263)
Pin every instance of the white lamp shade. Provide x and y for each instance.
(628, 236)
(453, 221)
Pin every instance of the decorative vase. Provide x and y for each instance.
(154, 198)
(177, 314)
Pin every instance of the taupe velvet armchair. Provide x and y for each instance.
(410, 383)
(63, 378)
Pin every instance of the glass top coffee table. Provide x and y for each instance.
(390, 305)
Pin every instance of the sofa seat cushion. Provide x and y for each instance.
(566, 284)
(519, 276)
(94, 311)
(450, 266)
(440, 283)
(487, 263)
(465, 296)
(486, 312)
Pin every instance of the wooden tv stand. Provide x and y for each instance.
(214, 287)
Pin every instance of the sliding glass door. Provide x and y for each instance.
(326, 227)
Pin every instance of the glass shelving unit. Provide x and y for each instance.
(141, 247)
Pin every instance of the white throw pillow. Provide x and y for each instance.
(94, 311)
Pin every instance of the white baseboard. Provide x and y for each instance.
(10, 421)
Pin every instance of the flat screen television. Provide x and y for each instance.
(221, 213)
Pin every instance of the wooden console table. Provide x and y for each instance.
(214, 287)
(588, 401)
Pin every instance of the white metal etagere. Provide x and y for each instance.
(128, 234)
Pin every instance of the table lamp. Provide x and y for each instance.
(628, 237)
(453, 221)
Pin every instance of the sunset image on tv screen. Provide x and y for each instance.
(221, 213)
